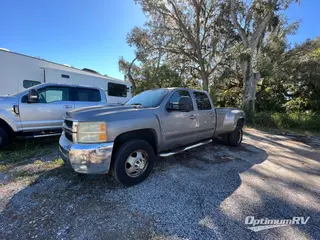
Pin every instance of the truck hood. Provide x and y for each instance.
(5, 100)
(95, 113)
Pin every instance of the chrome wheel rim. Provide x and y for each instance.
(137, 163)
(239, 136)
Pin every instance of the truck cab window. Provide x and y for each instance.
(117, 90)
(51, 94)
(202, 100)
(30, 83)
(85, 95)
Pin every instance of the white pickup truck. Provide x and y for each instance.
(39, 111)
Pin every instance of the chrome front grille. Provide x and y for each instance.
(69, 129)
(68, 135)
(68, 123)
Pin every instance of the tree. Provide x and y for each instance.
(148, 76)
(192, 31)
(302, 69)
(272, 91)
(127, 68)
(252, 22)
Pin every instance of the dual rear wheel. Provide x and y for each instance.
(234, 138)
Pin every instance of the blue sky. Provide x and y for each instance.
(308, 13)
(93, 33)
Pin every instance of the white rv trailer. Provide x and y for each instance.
(18, 72)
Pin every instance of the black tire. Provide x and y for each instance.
(235, 137)
(225, 138)
(4, 138)
(119, 164)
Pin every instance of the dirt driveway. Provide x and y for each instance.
(205, 193)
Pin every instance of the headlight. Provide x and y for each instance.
(92, 132)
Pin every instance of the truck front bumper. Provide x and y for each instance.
(86, 158)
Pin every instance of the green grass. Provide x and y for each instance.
(298, 122)
(23, 150)
(29, 159)
(37, 169)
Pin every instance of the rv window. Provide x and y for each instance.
(85, 95)
(65, 76)
(117, 90)
(30, 83)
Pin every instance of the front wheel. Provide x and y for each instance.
(133, 162)
(235, 137)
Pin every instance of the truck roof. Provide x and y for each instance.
(67, 85)
(181, 88)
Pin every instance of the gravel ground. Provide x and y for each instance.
(205, 193)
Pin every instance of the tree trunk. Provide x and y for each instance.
(250, 81)
(130, 78)
(205, 78)
(205, 83)
(133, 83)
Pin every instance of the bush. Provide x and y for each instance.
(296, 120)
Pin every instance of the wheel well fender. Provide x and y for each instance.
(149, 135)
(240, 122)
(5, 126)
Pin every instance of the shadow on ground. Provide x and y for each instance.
(196, 195)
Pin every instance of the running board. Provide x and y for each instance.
(46, 135)
(179, 150)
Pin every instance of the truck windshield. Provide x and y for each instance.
(150, 98)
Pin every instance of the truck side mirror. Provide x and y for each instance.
(185, 104)
(33, 96)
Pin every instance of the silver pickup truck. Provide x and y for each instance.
(160, 122)
(38, 111)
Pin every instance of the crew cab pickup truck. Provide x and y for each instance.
(39, 110)
(160, 122)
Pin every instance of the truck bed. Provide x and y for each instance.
(225, 119)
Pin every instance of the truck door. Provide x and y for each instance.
(179, 128)
(206, 116)
(48, 112)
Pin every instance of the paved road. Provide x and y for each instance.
(205, 193)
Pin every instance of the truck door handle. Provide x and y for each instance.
(211, 115)
(192, 116)
(67, 106)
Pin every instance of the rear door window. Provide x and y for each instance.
(117, 90)
(202, 100)
(85, 95)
